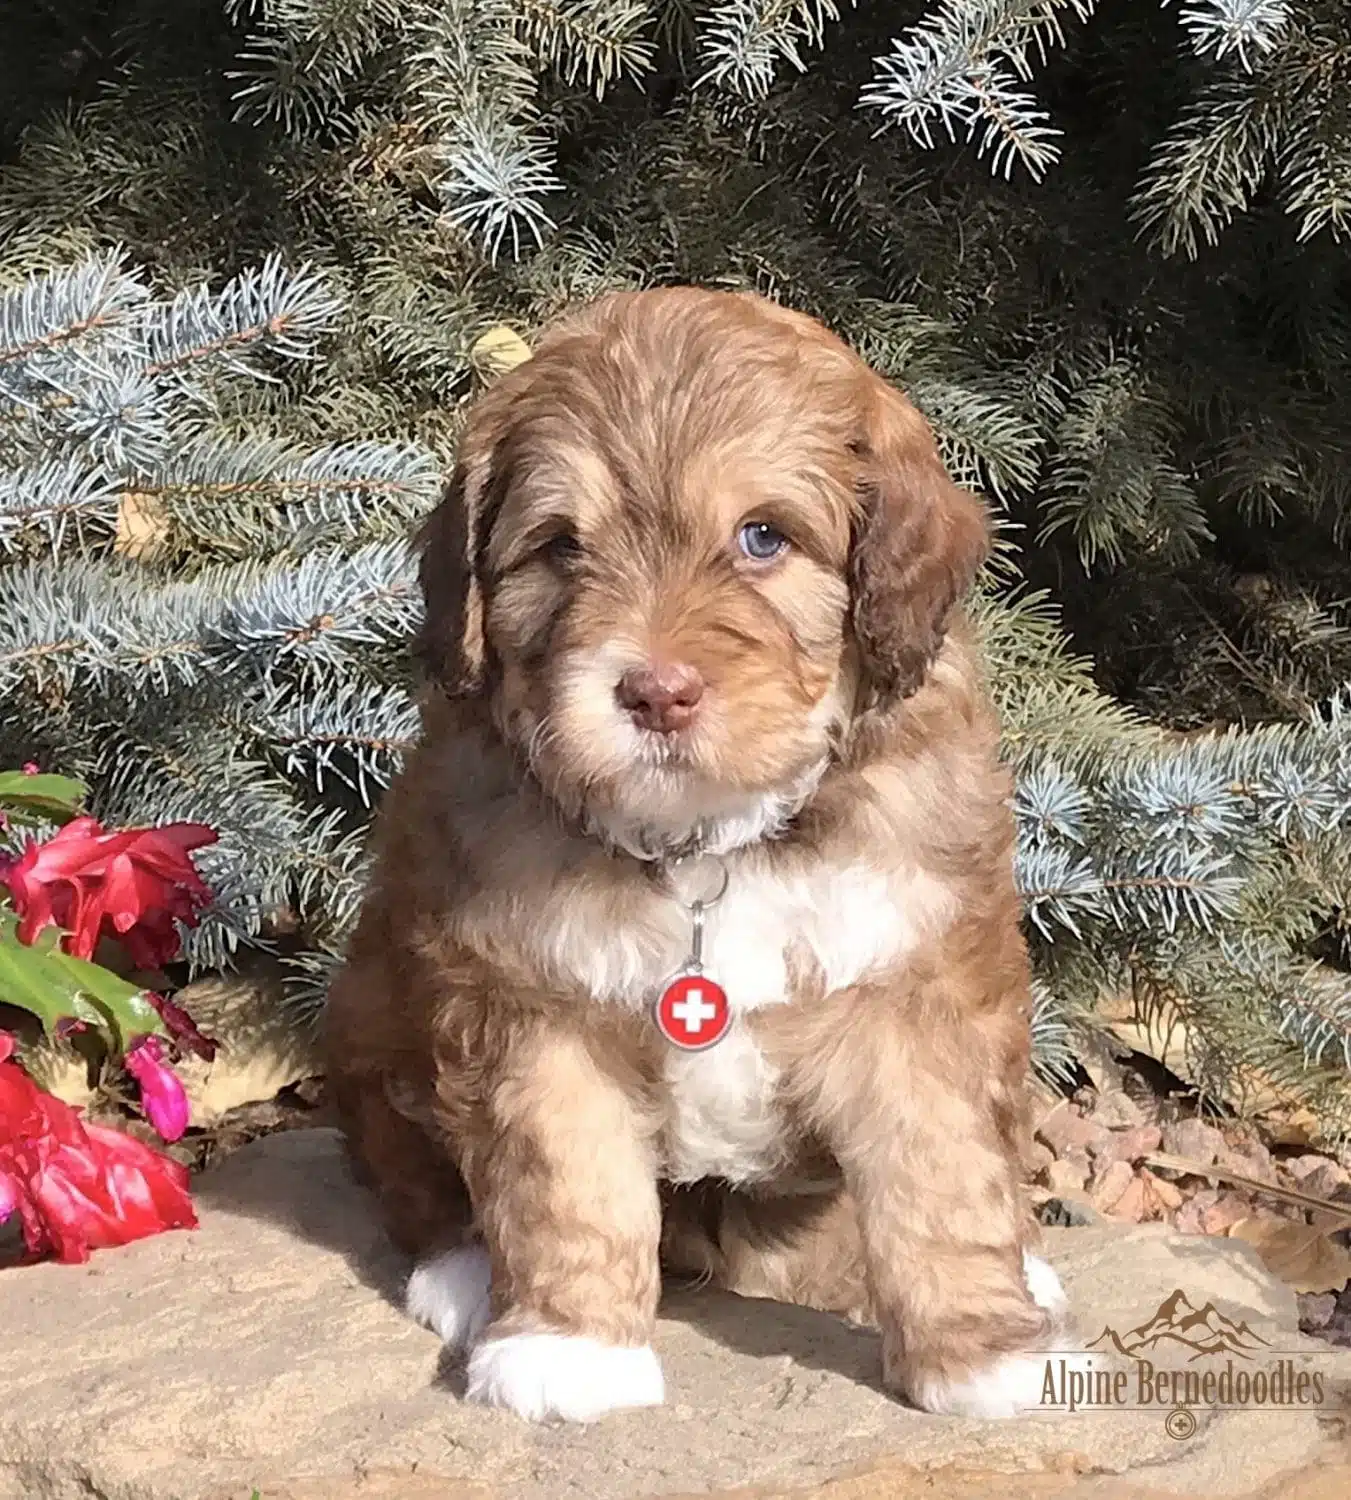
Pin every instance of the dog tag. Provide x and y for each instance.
(692, 1012)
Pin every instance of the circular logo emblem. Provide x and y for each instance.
(693, 1013)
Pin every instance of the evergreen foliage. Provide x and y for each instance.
(195, 616)
(248, 253)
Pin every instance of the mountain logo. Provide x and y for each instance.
(1204, 1331)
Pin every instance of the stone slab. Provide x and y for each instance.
(266, 1351)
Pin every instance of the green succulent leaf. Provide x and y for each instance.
(54, 986)
(41, 798)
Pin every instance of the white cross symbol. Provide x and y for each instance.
(694, 1010)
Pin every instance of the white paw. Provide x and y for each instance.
(1012, 1385)
(1015, 1383)
(539, 1375)
(449, 1294)
(1044, 1284)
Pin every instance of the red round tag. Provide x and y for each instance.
(693, 1013)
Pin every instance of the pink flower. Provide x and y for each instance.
(162, 1095)
(134, 885)
(9, 1188)
(78, 1187)
(30, 768)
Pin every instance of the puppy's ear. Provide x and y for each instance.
(451, 640)
(918, 545)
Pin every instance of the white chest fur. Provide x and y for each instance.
(850, 921)
(722, 1114)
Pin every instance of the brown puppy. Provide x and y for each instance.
(691, 593)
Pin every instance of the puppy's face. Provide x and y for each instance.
(683, 544)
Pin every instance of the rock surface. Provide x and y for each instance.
(265, 1352)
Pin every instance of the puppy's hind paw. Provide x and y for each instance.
(541, 1375)
(449, 1293)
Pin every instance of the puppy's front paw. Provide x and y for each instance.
(1013, 1383)
(449, 1293)
(539, 1375)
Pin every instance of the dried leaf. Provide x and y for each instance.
(53, 1064)
(1161, 1196)
(261, 1052)
(1165, 1037)
(1302, 1256)
(499, 350)
(141, 527)
(1181, 1164)
(1291, 1125)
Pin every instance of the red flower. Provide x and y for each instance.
(162, 1096)
(78, 1187)
(183, 1029)
(133, 885)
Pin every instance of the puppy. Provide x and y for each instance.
(692, 616)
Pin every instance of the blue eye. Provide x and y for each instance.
(562, 548)
(760, 541)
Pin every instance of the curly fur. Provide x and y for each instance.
(855, 1143)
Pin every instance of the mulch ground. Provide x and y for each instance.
(1130, 1156)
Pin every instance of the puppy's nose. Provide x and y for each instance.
(661, 697)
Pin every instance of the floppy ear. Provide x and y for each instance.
(918, 545)
(451, 639)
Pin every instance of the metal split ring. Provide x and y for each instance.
(717, 886)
